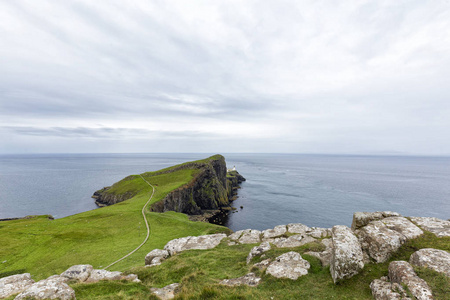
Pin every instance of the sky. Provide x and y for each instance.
(343, 77)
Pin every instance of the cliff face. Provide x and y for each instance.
(211, 189)
(105, 197)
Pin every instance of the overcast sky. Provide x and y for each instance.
(364, 77)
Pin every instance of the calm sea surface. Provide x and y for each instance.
(317, 190)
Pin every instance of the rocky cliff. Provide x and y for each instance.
(107, 196)
(211, 188)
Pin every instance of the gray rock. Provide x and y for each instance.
(250, 237)
(236, 235)
(263, 264)
(250, 279)
(293, 241)
(276, 232)
(14, 284)
(403, 226)
(98, 275)
(288, 265)
(383, 290)
(437, 226)
(437, 260)
(167, 292)
(401, 272)
(298, 228)
(202, 242)
(318, 232)
(258, 250)
(78, 272)
(361, 219)
(53, 287)
(347, 257)
(379, 241)
(155, 257)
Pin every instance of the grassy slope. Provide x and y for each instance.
(199, 271)
(45, 247)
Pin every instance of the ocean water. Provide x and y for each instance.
(317, 190)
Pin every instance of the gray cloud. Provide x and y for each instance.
(270, 76)
(102, 132)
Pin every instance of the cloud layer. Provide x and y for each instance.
(225, 76)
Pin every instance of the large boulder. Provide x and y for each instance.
(155, 257)
(384, 290)
(437, 226)
(53, 287)
(276, 232)
(167, 292)
(437, 260)
(379, 241)
(258, 250)
(14, 284)
(361, 219)
(288, 265)
(403, 226)
(292, 241)
(78, 272)
(318, 232)
(298, 228)
(401, 272)
(251, 236)
(250, 279)
(202, 242)
(347, 258)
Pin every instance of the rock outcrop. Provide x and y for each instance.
(437, 260)
(78, 272)
(15, 284)
(401, 272)
(53, 287)
(288, 265)
(292, 241)
(346, 256)
(381, 238)
(434, 225)
(194, 242)
(86, 273)
(258, 250)
(382, 289)
(276, 232)
(361, 219)
(250, 280)
(155, 257)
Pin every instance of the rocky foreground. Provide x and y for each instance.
(372, 238)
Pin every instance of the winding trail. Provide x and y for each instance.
(146, 224)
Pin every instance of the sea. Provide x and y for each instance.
(316, 190)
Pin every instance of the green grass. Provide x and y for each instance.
(45, 247)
